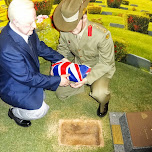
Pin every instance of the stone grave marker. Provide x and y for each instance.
(102, 5)
(138, 61)
(106, 13)
(124, 8)
(131, 132)
(150, 33)
(134, 5)
(98, 1)
(137, 131)
(117, 25)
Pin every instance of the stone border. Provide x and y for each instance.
(114, 120)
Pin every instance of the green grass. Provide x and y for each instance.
(131, 91)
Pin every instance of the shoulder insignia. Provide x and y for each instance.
(105, 30)
(100, 27)
(107, 36)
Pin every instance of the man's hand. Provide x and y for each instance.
(64, 60)
(78, 84)
(64, 81)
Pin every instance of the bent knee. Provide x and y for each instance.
(101, 95)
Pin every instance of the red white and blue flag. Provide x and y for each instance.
(77, 72)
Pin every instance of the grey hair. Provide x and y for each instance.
(17, 8)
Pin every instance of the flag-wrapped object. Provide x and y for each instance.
(77, 72)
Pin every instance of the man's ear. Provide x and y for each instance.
(84, 18)
(15, 22)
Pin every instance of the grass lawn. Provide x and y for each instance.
(131, 91)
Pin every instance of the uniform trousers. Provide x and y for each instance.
(99, 90)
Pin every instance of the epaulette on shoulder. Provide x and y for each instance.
(99, 27)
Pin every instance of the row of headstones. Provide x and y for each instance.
(132, 59)
(120, 25)
(130, 4)
(126, 8)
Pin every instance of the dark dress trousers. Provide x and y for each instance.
(21, 83)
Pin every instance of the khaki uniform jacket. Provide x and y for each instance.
(96, 51)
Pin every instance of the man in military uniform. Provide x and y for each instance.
(88, 43)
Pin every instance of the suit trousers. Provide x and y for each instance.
(99, 91)
(31, 114)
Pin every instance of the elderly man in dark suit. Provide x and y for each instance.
(21, 83)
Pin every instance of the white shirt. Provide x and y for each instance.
(25, 37)
(79, 35)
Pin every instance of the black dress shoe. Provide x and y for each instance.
(20, 122)
(102, 114)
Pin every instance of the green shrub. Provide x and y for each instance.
(97, 20)
(120, 50)
(43, 6)
(137, 23)
(48, 35)
(125, 2)
(7, 2)
(114, 3)
(150, 15)
(94, 9)
(56, 2)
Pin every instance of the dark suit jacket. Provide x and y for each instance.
(21, 83)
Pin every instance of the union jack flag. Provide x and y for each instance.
(77, 72)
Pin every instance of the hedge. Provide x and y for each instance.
(41, 6)
(137, 23)
(114, 3)
(94, 9)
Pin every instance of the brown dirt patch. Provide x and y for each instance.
(81, 132)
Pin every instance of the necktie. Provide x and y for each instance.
(30, 43)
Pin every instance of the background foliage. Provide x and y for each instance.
(114, 3)
(137, 23)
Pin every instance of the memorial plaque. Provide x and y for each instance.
(137, 131)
